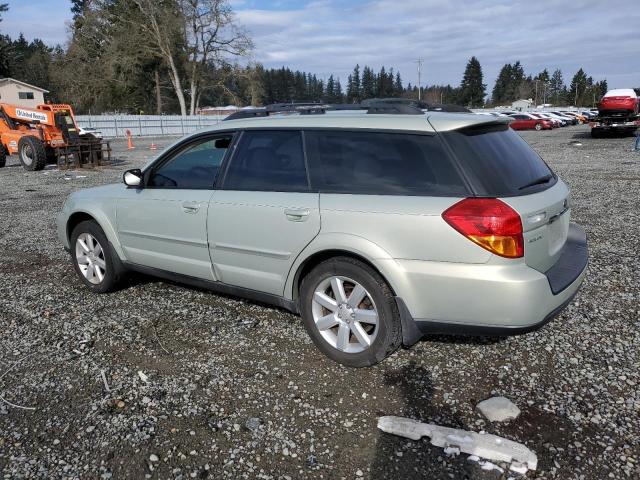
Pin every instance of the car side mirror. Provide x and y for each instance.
(132, 178)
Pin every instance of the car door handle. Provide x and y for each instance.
(297, 214)
(190, 207)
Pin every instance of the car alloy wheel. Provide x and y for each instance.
(345, 314)
(90, 258)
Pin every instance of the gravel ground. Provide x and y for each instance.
(201, 385)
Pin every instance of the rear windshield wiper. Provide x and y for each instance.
(537, 181)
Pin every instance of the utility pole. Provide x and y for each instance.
(536, 100)
(419, 62)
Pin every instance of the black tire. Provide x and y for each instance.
(3, 156)
(389, 334)
(113, 267)
(32, 153)
(538, 126)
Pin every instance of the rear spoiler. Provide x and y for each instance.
(468, 123)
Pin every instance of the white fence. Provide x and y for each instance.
(147, 125)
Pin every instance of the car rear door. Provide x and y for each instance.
(164, 224)
(265, 212)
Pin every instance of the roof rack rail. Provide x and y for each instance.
(248, 113)
(397, 106)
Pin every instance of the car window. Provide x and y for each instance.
(499, 160)
(195, 167)
(378, 163)
(268, 160)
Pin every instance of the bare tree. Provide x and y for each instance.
(192, 36)
(163, 22)
(211, 36)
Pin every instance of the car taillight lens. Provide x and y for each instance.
(490, 223)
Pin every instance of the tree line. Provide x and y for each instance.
(512, 83)
(175, 56)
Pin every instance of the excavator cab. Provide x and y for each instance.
(67, 126)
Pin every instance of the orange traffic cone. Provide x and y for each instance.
(129, 141)
(153, 146)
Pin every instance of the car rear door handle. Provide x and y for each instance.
(190, 207)
(297, 214)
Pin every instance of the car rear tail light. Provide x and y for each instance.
(490, 223)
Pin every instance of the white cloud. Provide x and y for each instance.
(331, 36)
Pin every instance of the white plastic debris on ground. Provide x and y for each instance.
(498, 409)
(486, 464)
(482, 445)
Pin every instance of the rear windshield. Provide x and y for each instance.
(499, 162)
(377, 163)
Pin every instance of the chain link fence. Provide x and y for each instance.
(114, 126)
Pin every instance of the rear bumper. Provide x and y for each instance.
(490, 299)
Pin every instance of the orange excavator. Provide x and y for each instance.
(47, 134)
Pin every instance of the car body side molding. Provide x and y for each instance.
(217, 287)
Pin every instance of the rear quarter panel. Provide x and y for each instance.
(407, 227)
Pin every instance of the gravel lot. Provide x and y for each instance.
(232, 389)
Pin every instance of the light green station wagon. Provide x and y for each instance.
(377, 225)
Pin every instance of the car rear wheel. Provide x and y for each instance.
(93, 259)
(3, 156)
(349, 312)
(538, 126)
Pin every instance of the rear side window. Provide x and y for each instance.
(499, 161)
(377, 163)
(267, 160)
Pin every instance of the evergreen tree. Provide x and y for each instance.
(517, 79)
(338, 95)
(472, 90)
(368, 83)
(329, 91)
(556, 87)
(541, 85)
(353, 86)
(577, 88)
(381, 81)
(398, 90)
(499, 93)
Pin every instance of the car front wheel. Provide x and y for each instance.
(92, 257)
(349, 312)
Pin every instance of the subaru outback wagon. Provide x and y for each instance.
(376, 228)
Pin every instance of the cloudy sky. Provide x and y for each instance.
(331, 36)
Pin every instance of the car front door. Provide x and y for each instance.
(265, 213)
(163, 225)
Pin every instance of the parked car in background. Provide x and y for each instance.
(526, 121)
(562, 120)
(587, 114)
(555, 123)
(570, 120)
(376, 228)
(89, 131)
(576, 115)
